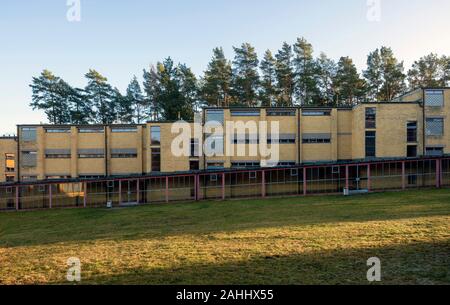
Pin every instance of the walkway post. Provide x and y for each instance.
(223, 186)
(167, 189)
(347, 185)
(438, 173)
(17, 198)
(50, 199)
(403, 175)
(138, 191)
(120, 192)
(304, 182)
(369, 179)
(85, 194)
(263, 184)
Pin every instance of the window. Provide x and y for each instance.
(245, 164)
(316, 138)
(280, 112)
(123, 156)
(245, 139)
(29, 158)
(58, 156)
(214, 145)
(91, 130)
(156, 159)
(316, 112)
(412, 132)
(123, 129)
(371, 118)
(255, 112)
(29, 178)
(10, 156)
(370, 144)
(434, 98)
(155, 135)
(194, 151)
(194, 165)
(412, 179)
(213, 178)
(215, 165)
(214, 116)
(28, 134)
(252, 175)
(435, 127)
(9, 178)
(336, 170)
(294, 172)
(411, 151)
(91, 156)
(435, 151)
(281, 163)
(57, 130)
(283, 139)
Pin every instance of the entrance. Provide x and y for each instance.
(129, 192)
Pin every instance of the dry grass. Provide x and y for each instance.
(314, 240)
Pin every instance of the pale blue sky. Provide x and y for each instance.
(120, 38)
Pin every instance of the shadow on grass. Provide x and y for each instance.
(159, 221)
(419, 263)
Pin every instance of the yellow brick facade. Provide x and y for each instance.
(310, 135)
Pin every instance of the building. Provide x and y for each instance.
(413, 125)
(8, 150)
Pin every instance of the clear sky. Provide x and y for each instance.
(120, 38)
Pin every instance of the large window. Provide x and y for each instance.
(370, 144)
(124, 129)
(155, 134)
(57, 130)
(194, 148)
(280, 112)
(316, 138)
(434, 98)
(156, 159)
(214, 116)
(126, 153)
(412, 132)
(435, 127)
(28, 134)
(250, 112)
(412, 151)
(435, 151)
(90, 130)
(371, 118)
(245, 164)
(316, 112)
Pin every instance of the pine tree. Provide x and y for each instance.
(384, 75)
(326, 73)
(430, 71)
(245, 77)
(48, 95)
(137, 101)
(268, 92)
(124, 107)
(349, 86)
(173, 90)
(305, 73)
(285, 75)
(374, 75)
(80, 109)
(216, 82)
(188, 86)
(100, 95)
(152, 92)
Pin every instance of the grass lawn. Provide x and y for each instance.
(312, 240)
